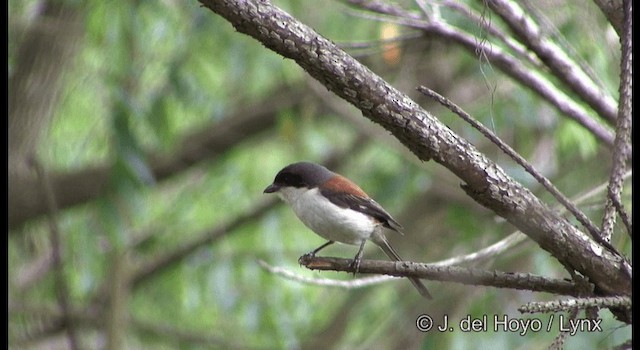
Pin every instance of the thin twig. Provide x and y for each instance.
(626, 220)
(469, 276)
(555, 58)
(326, 282)
(509, 65)
(508, 41)
(579, 215)
(485, 253)
(514, 238)
(576, 303)
(558, 341)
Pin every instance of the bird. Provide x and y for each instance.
(337, 209)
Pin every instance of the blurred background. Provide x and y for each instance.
(142, 134)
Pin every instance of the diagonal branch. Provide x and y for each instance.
(566, 202)
(508, 64)
(555, 58)
(428, 138)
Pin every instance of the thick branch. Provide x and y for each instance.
(428, 138)
(469, 276)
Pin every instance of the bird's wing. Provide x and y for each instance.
(364, 205)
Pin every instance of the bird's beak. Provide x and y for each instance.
(271, 188)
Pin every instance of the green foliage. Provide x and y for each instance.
(574, 139)
(150, 72)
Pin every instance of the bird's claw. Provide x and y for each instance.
(355, 265)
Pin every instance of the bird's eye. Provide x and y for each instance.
(292, 180)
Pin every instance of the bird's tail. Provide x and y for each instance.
(382, 242)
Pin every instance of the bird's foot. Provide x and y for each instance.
(309, 255)
(355, 265)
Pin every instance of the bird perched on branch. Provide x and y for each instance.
(336, 209)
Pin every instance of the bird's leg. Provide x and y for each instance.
(358, 258)
(313, 253)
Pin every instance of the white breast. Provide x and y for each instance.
(327, 219)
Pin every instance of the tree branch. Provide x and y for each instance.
(511, 66)
(428, 138)
(469, 276)
(489, 252)
(325, 282)
(566, 202)
(571, 304)
(622, 143)
(555, 58)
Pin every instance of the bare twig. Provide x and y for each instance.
(577, 303)
(622, 143)
(558, 341)
(470, 276)
(566, 202)
(555, 58)
(511, 66)
(508, 41)
(485, 253)
(326, 282)
(626, 220)
(514, 238)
